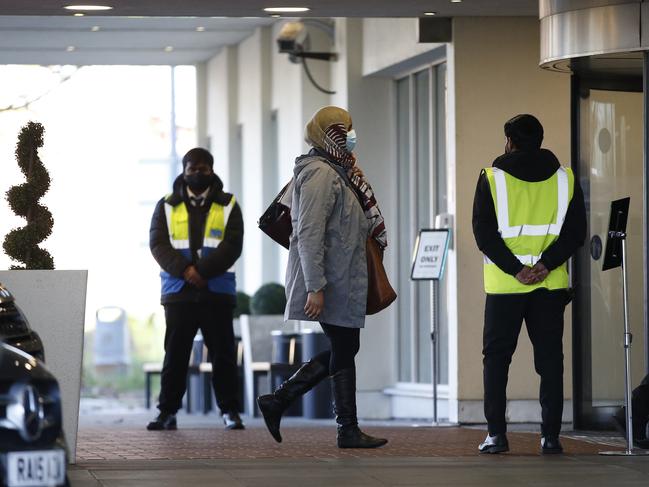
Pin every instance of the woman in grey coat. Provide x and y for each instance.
(333, 212)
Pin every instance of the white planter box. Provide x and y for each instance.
(54, 303)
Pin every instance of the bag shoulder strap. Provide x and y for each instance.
(343, 174)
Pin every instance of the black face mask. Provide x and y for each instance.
(199, 182)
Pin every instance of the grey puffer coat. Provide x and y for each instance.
(327, 246)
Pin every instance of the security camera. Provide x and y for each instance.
(292, 37)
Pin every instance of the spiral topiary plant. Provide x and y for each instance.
(270, 299)
(21, 244)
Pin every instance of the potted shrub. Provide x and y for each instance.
(53, 300)
(270, 299)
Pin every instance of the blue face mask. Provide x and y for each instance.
(351, 140)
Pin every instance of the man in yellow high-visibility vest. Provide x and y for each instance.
(196, 237)
(529, 218)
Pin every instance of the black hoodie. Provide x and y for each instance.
(212, 265)
(531, 166)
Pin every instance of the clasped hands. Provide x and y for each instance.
(532, 275)
(192, 276)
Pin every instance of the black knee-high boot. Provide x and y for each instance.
(272, 406)
(349, 434)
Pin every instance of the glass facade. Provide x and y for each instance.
(421, 115)
(610, 141)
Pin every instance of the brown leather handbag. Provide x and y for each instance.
(380, 293)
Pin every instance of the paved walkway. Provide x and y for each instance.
(501, 470)
(300, 441)
(118, 452)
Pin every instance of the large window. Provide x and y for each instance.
(421, 115)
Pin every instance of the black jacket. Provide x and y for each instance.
(533, 167)
(216, 263)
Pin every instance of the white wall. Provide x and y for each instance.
(388, 42)
(312, 98)
(218, 87)
(287, 101)
(254, 116)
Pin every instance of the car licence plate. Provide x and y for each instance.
(35, 468)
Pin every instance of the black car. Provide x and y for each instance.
(32, 447)
(14, 327)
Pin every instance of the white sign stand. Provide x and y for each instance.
(429, 258)
(428, 263)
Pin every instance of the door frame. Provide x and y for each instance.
(584, 415)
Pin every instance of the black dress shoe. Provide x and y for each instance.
(353, 437)
(164, 421)
(551, 445)
(494, 444)
(232, 421)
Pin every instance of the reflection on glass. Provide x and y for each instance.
(441, 206)
(611, 145)
(421, 101)
(424, 216)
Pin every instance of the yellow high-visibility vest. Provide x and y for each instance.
(530, 217)
(178, 226)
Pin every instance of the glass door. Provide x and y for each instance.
(421, 174)
(610, 138)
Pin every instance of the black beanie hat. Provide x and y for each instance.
(198, 154)
(525, 131)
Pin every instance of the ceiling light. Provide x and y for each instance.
(95, 28)
(456, 1)
(286, 10)
(88, 7)
(169, 48)
(78, 14)
(70, 48)
(200, 28)
(276, 16)
(430, 14)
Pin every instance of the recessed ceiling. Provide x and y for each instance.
(174, 32)
(118, 40)
(243, 8)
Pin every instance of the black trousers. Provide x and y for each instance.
(345, 344)
(183, 322)
(542, 311)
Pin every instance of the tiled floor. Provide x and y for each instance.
(119, 453)
(317, 441)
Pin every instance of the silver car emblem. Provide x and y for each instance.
(33, 416)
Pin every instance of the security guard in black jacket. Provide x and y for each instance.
(196, 236)
(528, 219)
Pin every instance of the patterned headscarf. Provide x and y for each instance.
(327, 131)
